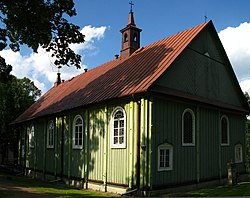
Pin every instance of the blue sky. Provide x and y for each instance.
(157, 18)
(101, 21)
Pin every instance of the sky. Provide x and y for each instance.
(101, 21)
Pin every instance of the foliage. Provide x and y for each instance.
(248, 135)
(41, 23)
(4, 70)
(247, 97)
(248, 144)
(16, 95)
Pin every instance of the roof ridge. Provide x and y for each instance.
(115, 78)
(173, 35)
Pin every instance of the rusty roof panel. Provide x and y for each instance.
(117, 78)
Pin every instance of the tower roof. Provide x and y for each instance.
(131, 20)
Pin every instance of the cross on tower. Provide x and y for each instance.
(131, 6)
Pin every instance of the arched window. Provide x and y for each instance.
(125, 39)
(238, 153)
(31, 134)
(188, 128)
(165, 157)
(118, 128)
(224, 130)
(78, 132)
(50, 134)
(135, 37)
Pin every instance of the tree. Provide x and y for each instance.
(4, 70)
(248, 134)
(16, 95)
(40, 23)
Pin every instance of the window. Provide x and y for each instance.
(50, 134)
(31, 134)
(118, 128)
(165, 157)
(125, 37)
(188, 128)
(224, 130)
(135, 37)
(238, 153)
(78, 132)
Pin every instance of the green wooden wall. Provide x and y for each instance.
(97, 161)
(210, 77)
(207, 159)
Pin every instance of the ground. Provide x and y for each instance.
(14, 184)
(12, 190)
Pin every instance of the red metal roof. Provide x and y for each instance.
(114, 79)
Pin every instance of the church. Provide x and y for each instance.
(164, 115)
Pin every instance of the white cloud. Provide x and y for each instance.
(245, 85)
(91, 34)
(236, 41)
(38, 66)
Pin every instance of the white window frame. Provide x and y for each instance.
(112, 144)
(31, 134)
(228, 138)
(78, 146)
(238, 157)
(193, 127)
(49, 135)
(165, 147)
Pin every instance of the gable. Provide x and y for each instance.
(203, 70)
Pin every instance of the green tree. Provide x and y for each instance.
(16, 95)
(40, 23)
(248, 134)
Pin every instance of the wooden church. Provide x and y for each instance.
(168, 114)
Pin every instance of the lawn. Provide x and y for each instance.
(57, 190)
(241, 189)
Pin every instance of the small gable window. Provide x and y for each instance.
(118, 128)
(165, 157)
(238, 153)
(31, 134)
(50, 134)
(78, 132)
(188, 128)
(224, 130)
(125, 39)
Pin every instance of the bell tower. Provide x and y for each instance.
(130, 36)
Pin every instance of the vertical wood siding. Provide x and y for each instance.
(209, 144)
(204, 161)
(167, 121)
(161, 122)
(39, 138)
(121, 162)
(97, 135)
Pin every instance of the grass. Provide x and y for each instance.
(50, 188)
(59, 190)
(241, 189)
